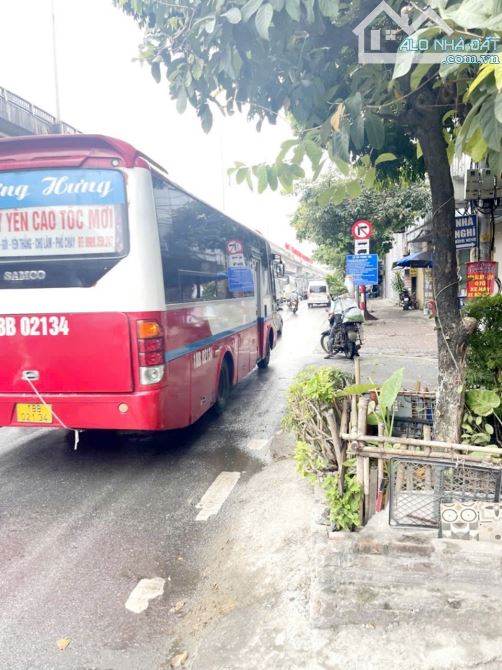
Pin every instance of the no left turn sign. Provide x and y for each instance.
(362, 229)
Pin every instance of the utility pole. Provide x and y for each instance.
(486, 233)
(58, 128)
(223, 171)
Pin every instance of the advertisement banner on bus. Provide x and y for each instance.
(63, 212)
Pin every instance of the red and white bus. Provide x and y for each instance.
(125, 302)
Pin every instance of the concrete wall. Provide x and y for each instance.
(397, 252)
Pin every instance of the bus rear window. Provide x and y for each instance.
(54, 213)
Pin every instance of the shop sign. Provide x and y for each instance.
(466, 231)
(480, 278)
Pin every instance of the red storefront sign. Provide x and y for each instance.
(481, 277)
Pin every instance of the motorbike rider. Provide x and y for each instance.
(335, 313)
(293, 298)
(338, 306)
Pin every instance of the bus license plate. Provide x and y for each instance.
(33, 413)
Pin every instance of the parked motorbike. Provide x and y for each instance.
(293, 303)
(407, 300)
(344, 334)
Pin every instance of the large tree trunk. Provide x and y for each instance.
(452, 331)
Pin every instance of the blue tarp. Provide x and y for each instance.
(420, 259)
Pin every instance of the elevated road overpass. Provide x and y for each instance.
(299, 268)
(20, 117)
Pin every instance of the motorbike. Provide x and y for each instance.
(344, 334)
(293, 303)
(407, 300)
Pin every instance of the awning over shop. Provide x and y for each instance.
(421, 259)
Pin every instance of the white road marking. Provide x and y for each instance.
(256, 444)
(216, 495)
(144, 591)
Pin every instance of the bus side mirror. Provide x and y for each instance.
(279, 269)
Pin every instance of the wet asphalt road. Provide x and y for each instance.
(79, 529)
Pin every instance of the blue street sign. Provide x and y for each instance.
(363, 269)
(466, 231)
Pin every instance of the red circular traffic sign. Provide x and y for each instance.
(362, 229)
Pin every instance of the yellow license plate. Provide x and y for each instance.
(33, 413)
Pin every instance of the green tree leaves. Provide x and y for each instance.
(329, 8)
(390, 388)
(287, 168)
(264, 19)
(233, 15)
(384, 158)
(314, 152)
(482, 402)
(484, 357)
(250, 8)
(221, 54)
(310, 69)
(293, 9)
(260, 172)
(155, 68)
(181, 101)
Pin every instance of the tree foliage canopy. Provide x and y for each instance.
(390, 209)
(299, 57)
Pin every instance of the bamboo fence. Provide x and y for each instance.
(350, 438)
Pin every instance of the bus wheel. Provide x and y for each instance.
(223, 389)
(263, 363)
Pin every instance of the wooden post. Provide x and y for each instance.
(337, 444)
(360, 480)
(357, 369)
(373, 491)
(380, 460)
(427, 433)
(362, 415)
(380, 473)
(353, 414)
(413, 442)
(366, 488)
(375, 452)
(360, 469)
(344, 421)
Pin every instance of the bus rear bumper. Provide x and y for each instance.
(144, 410)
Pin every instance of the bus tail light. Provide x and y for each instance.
(151, 358)
(151, 375)
(150, 352)
(155, 344)
(147, 329)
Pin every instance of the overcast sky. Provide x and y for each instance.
(103, 91)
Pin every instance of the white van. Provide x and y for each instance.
(318, 294)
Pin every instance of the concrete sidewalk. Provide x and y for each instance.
(396, 598)
(386, 598)
(396, 331)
